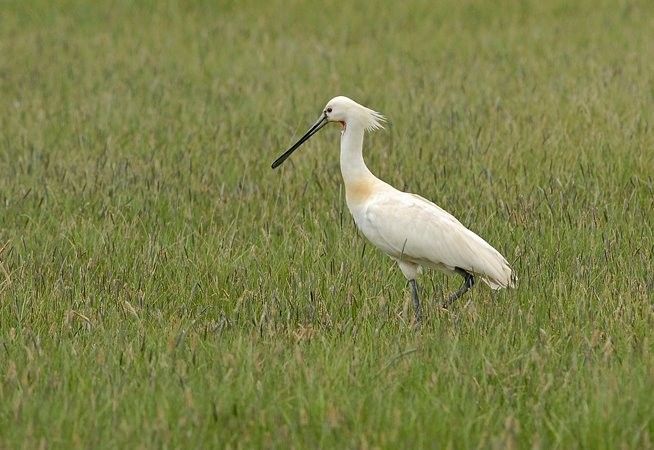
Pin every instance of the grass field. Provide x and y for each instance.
(161, 287)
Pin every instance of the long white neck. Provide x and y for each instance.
(360, 183)
(353, 167)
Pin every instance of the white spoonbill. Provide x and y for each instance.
(410, 229)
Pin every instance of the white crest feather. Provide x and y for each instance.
(375, 120)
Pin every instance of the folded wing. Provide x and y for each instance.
(408, 226)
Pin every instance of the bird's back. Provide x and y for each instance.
(407, 226)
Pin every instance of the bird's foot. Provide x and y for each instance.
(469, 282)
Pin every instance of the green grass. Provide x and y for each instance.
(160, 286)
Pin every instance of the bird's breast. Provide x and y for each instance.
(357, 193)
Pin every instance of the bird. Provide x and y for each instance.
(415, 232)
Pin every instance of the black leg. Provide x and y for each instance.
(468, 282)
(416, 300)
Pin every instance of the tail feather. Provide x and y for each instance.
(505, 277)
(495, 271)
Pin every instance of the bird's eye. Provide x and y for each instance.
(329, 110)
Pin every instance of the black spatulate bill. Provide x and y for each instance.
(313, 130)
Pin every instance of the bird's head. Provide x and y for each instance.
(342, 110)
(346, 111)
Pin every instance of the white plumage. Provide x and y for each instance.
(417, 232)
(410, 229)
